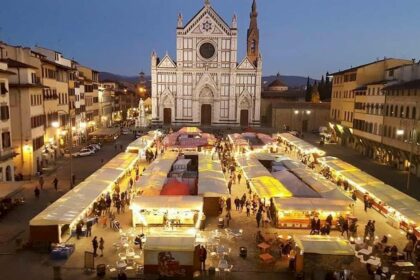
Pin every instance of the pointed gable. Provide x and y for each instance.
(167, 62)
(246, 65)
(207, 13)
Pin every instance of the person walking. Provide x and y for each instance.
(366, 202)
(345, 228)
(78, 230)
(237, 203)
(101, 246)
(258, 218)
(121, 275)
(41, 182)
(55, 182)
(88, 228)
(36, 191)
(202, 256)
(248, 208)
(95, 246)
(239, 178)
(230, 186)
(73, 181)
(408, 249)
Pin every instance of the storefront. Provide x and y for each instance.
(166, 210)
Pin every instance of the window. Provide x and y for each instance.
(413, 113)
(187, 104)
(224, 108)
(37, 143)
(5, 139)
(4, 112)
(3, 89)
(37, 121)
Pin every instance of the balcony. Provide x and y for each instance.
(6, 154)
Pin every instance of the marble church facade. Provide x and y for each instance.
(206, 85)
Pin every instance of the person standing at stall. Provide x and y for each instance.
(36, 191)
(95, 246)
(55, 182)
(203, 256)
(101, 246)
(41, 182)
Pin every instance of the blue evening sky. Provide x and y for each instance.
(298, 37)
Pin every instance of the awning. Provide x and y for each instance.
(211, 180)
(310, 204)
(170, 243)
(268, 187)
(188, 202)
(300, 144)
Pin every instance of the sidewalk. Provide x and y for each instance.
(387, 174)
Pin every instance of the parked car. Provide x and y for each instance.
(125, 131)
(90, 148)
(95, 147)
(83, 153)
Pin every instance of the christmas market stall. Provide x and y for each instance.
(170, 256)
(317, 255)
(167, 210)
(211, 183)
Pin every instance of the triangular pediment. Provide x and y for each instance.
(207, 14)
(166, 62)
(206, 80)
(246, 64)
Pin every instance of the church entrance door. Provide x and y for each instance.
(206, 114)
(244, 118)
(167, 116)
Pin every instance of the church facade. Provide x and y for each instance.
(206, 84)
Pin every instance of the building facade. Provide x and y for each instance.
(6, 149)
(205, 85)
(374, 110)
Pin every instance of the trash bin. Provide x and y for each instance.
(100, 270)
(243, 251)
(221, 223)
(212, 271)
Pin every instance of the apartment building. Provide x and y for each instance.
(105, 93)
(89, 85)
(6, 150)
(26, 108)
(360, 109)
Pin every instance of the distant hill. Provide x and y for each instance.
(291, 81)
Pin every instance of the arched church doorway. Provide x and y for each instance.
(206, 114)
(244, 118)
(167, 116)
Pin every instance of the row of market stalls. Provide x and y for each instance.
(296, 192)
(141, 144)
(401, 210)
(299, 145)
(59, 219)
(250, 141)
(189, 138)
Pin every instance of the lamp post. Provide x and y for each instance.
(56, 124)
(412, 140)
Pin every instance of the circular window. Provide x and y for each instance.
(207, 50)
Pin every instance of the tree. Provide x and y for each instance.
(308, 90)
(315, 97)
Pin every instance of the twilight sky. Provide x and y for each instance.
(304, 37)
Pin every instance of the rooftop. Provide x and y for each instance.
(17, 64)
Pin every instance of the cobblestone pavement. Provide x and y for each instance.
(387, 174)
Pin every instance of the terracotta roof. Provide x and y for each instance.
(276, 83)
(27, 86)
(360, 66)
(17, 64)
(56, 64)
(290, 93)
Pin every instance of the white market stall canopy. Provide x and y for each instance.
(170, 243)
(142, 143)
(268, 187)
(71, 206)
(336, 165)
(400, 202)
(211, 180)
(300, 144)
(310, 204)
(359, 178)
(168, 202)
(294, 184)
(123, 161)
(156, 173)
(324, 245)
(251, 167)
